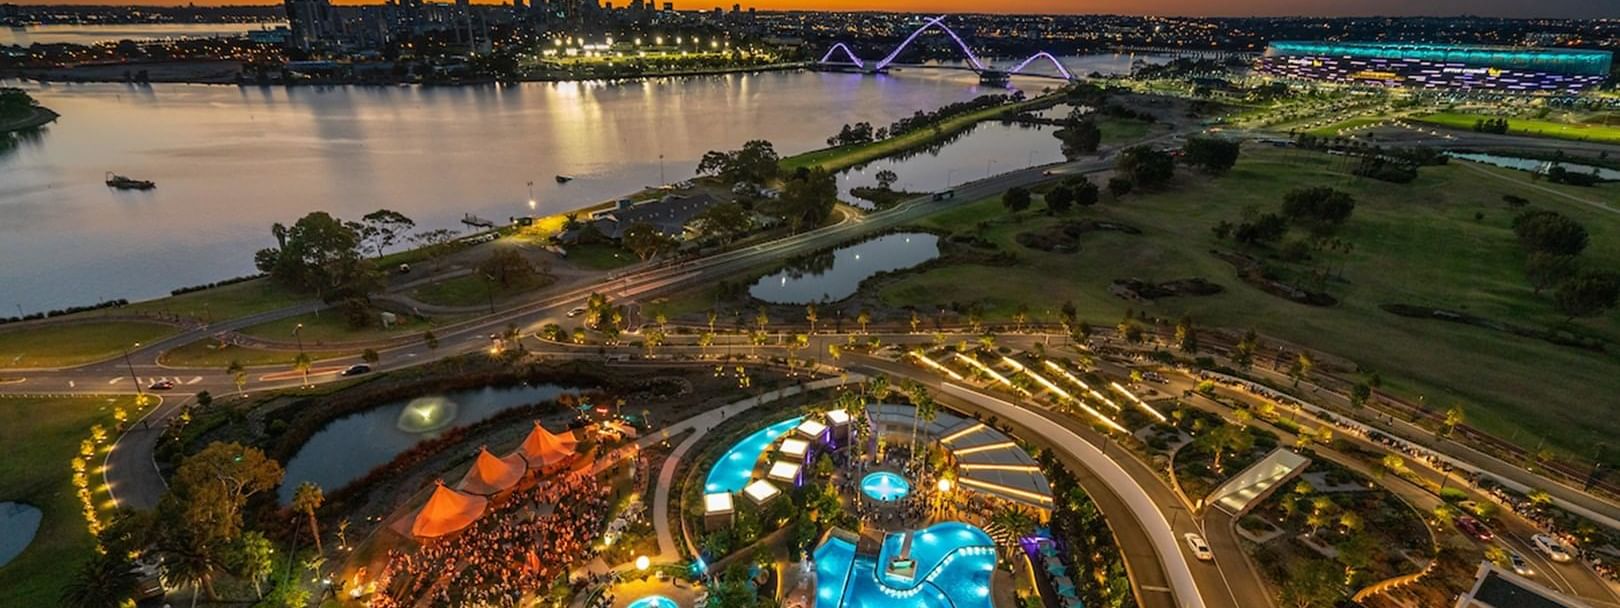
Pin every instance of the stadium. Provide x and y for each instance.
(1438, 66)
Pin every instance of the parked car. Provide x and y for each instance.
(356, 369)
(1474, 528)
(1199, 548)
(1552, 547)
(1520, 566)
(161, 385)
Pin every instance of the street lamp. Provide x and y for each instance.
(303, 364)
(643, 562)
(139, 392)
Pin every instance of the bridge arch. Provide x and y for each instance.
(1047, 56)
(847, 53)
(939, 23)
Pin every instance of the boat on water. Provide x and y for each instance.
(120, 182)
(563, 179)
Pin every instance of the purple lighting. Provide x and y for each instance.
(977, 64)
(1048, 56)
(851, 54)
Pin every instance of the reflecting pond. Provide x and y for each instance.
(18, 524)
(351, 446)
(990, 148)
(1535, 165)
(833, 276)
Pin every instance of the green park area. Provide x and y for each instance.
(209, 353)
(1442, 241)
(37, 471)
(600, 256)
(474, 290)
(843, 157)
(76, 343)
(1533, 127)
(223, 303)
(1116, 131)
(332, 326)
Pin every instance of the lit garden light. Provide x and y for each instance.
(643, 562)
(936, 365)
(1082, 384)
(1139, 403)
(990, 372)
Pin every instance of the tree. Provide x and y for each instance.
(370, 356)
(383, 228)
(105, 580)
(808, 199)
(320, 253)
(1186, 336)
(1548, 270)
(756, 163)
(508, 267)
(1080, 137)
(724, 221)
(1223, 438)
(863, 318)
(1319, 207)
(1119, 187)
(306, 499)
(886, 179)
(1550, 232)
(431, 340)
(250, 558)
(1016, 199)
(1391, 463)
(210, 488)
(437, 242)
(1146, 167)
(1085, 192)
(1059, 200)
(189, 560)
(1211, 154)
(1588, 294)
(1454, 417)
(238, 374)
(1301, 368)
(646, 240)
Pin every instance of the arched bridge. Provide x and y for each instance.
(841, 55)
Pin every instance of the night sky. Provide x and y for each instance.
(1495, 8)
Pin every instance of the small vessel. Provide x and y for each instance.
(563, 179)
(124, 183)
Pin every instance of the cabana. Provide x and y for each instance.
(490, 475)
(447, 511)
(544, 450)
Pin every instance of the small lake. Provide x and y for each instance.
(833, 276)
(18, 524)
(989, 148)
(1536, 165)
(353, 445)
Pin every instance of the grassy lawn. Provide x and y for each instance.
(1417, 244)
(224, 303)
(74, 344)
(1122, 130)
(843, 157)
(1530, 126)
(43, 438)
(207, 353)
(331, 326)
(600, 256)
(472, 290)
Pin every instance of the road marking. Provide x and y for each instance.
(1155, 589)
(116, 380)
(199, 379)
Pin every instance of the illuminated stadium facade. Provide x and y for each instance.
(1439, 66)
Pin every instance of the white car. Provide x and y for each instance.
(577, 311)
(1199, 548)
(1520, 566)
(1554, 549)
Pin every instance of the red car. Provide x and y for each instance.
(1474, 528)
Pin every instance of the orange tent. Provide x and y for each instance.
(543, 449)
(446, 511)
(491, 475)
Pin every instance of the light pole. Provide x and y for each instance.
(950, 178)
(531, 195)
(987, 165)
(303, 364)
(139, 392)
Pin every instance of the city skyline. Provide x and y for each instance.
(1189, 8)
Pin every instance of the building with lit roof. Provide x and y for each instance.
(1438, 66)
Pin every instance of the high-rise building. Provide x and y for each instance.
(312, 22)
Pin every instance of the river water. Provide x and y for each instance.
(94, 33)
(229, 161)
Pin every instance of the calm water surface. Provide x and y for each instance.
(989, 148)
(834, 276)
(229, 161)
(353, 445)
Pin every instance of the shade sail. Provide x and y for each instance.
(447, 511)
(491, 475)
(543, 448)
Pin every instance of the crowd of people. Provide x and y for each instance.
(908, 509)
(515, 550)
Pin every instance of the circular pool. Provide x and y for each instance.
(885, 486)
(654, 601)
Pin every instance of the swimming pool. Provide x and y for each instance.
(734, 469)
(654, 601)
(885, 486)
(954, 563)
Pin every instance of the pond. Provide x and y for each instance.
(989, 148)
(1535, 165)
(18, 524)
(829, 277)
(351, 446)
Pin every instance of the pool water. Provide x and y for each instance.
(885, 486)
(954, 563)
(654, 601)
(736, 467)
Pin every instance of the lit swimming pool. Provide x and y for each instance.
(654, 601)
(732, 472)
(885, 486)
(953, 565)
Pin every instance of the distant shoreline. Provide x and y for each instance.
(38, 118)
(226, 72)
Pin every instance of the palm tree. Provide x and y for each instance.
(1454, 417)
(306, 499)
(863, 318)
(301, 364)
(917, 394)
(713, 315)
(705, 339)
(927, 409)
(811, 316)
(188, 560)
(105, 581)
(1391, 463)
(238, 374)
(761, 320)
(879, 387)
(916, 320)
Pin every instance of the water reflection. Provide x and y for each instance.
(838, 274)
(986, 149)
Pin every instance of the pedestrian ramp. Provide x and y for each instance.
(1240, 493)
